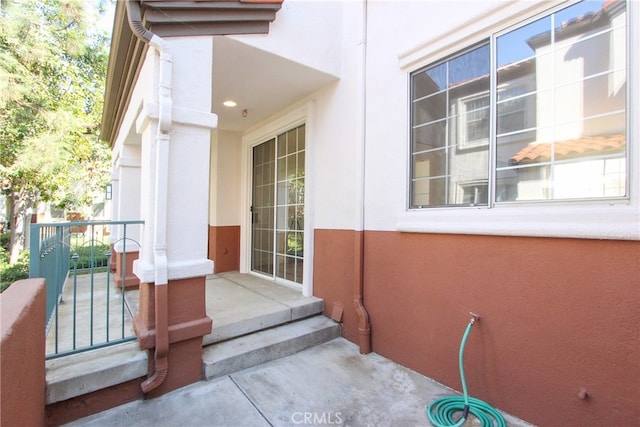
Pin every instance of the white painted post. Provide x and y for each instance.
(186, 184)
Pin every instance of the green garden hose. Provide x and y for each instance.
(441, 411)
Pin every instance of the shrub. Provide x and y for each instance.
(4, 256)
(84, 256)
(5, 241)
(10, 273)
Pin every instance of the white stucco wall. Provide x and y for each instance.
(357, 126)
(403, 36)
(225, 184)
(401, 39)
(422, 32)
(337, 132)
(305, 31)
(328, 37)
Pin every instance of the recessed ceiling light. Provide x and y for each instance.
(229, 103)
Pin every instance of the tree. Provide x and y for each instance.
(52, 74)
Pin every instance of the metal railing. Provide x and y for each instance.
(85, 310)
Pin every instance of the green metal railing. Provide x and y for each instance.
(84, 309)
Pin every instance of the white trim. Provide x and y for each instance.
(131, 245)
(291, 119)
(183, 116)
(127, 162)
(472, 32)
(143, 270)
(175, 270)
(309, 182)
(187, 269)
(585, 222)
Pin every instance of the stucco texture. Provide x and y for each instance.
(22, 364)
(558, 316)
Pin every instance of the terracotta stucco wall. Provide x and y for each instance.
(22, 365)
(78, 407)
(558, 315)
(333, 275)
(224, 248)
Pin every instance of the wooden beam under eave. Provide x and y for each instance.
(200, 29)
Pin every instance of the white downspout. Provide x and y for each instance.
(160, 261)
(364, 323)
(163, 139)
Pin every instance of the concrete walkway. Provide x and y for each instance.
(84, 317)
(330, 384)
(239, 304)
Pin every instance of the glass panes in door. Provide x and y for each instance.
(262, 207)
(278, 206)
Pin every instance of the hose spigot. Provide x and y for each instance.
(474, 318)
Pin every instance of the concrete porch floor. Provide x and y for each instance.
(239, 304)
(243, 303)
(328, 384)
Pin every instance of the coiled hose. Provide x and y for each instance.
(441, 411)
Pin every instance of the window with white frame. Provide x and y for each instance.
(545, 120)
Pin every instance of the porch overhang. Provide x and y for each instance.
(171, 19)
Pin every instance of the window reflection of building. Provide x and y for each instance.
(451, 129)
(580, 99)
(560, 93)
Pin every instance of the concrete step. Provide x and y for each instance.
(240, 305)
(83, 373)
(251, 350)
(256, 304)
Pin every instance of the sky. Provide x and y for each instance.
(104, 22)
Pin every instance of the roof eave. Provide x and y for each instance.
(170, 19)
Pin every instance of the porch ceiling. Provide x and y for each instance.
(167, 19)
(260, 82)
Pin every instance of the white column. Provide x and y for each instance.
(187, 187)
(128, 198)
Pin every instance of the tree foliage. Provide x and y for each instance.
(52, 73)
